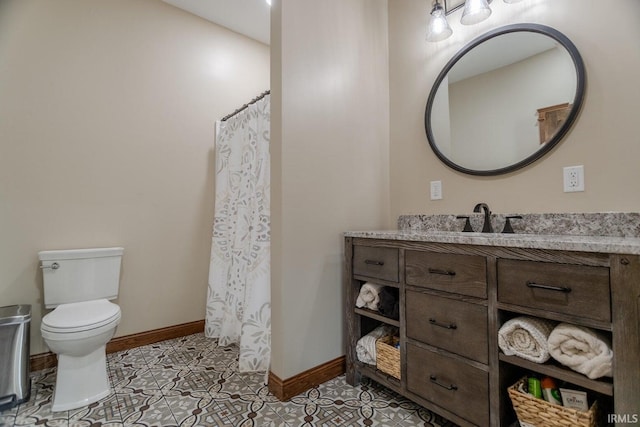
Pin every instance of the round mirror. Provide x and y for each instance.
(505, 99)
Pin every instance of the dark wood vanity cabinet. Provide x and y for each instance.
(453, 300)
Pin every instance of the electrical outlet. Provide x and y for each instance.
(436, 190)
(573, 178)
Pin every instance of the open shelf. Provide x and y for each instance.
(376, 281)
(559, 317)
(377, 316)
(561, 373)
(386, 380)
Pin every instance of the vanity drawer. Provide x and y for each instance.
(460, 274)
(562, 288)
(451, 384)
(456, 326)
(377, 263)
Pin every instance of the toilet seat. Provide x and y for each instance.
(80, 317)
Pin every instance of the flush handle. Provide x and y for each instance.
(53, 266)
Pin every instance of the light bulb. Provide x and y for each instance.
(438, 28)
(475, 11)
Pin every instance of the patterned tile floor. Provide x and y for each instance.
(191, 381)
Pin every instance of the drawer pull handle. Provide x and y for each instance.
(373, 262)
(564, 289)
(443, 272)
(434, 380)
(443, 325)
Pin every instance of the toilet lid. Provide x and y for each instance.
(81, 315)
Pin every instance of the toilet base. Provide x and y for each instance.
(80, 380)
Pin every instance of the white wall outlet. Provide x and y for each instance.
(573, 178)
(436, 190)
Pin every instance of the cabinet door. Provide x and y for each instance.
(456, 326)
(449, 383)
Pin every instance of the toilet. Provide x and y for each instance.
(78, 285)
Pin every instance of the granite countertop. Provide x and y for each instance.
(603, 244)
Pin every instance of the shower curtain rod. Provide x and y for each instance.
(253, 101)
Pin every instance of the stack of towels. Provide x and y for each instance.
(379, 298)
(369, 296)
(581, 349)
(366, 346)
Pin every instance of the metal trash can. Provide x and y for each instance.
(15, 326)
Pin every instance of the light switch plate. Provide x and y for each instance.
(436, 190)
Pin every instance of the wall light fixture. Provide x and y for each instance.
(474, 11)
(438, 28)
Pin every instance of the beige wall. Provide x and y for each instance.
(604, 139)
(107, 112)
(329, 161)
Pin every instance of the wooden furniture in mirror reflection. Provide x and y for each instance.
(550, 119)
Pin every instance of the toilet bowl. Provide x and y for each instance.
(78, 285)
(78, 334)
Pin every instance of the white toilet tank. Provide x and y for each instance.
(77, 275)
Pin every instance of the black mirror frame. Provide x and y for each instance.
(571, 118)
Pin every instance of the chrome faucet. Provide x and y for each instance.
(486, 228)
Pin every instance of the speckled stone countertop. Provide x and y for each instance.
(603, 244)
(613, 224)
(605, 232)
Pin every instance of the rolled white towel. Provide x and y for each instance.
(366, 346)
(369, 296)
(526, 337)
(582, 349)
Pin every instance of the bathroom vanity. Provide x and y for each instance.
(457, 289)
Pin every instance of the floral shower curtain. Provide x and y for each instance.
(239, 300)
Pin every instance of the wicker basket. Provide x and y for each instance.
(533, 412)
(387, 356)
